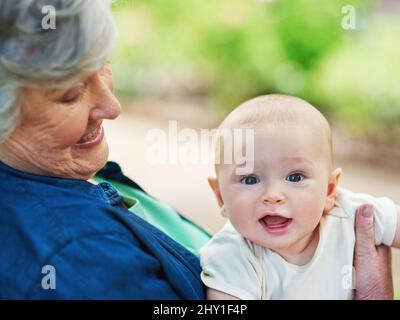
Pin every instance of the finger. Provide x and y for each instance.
(385, 264)
(385, 256)
(365, 232)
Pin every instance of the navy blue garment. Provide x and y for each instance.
(81, 235)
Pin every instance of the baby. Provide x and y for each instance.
(290, 233)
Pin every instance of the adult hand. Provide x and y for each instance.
(373, 264)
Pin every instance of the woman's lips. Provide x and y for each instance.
(92, 139)
(275, 224)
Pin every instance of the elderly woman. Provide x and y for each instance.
(62, 235)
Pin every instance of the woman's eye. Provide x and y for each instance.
(249, 180)
(69, 98)
(72, 95)
(295, 177)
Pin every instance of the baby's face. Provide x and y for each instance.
(281, 201)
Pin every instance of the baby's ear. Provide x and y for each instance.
(332, 188)
(213, 182)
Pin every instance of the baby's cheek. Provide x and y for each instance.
(236, 209)
(310, 207)
(314, 214)
(241, 212)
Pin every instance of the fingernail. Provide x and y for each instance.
(367, 212)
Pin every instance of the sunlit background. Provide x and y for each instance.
(192, 61)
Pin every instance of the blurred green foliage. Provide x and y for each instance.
(229, 51)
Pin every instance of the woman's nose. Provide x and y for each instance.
(108, 108)
(106, 105)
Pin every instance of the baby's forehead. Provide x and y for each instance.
(285, 143)
(276, 147)
(300, 133)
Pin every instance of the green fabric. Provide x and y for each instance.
(161, 216)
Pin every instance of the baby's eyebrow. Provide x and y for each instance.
(289, 159)
(294, 159)
(242, 165)
(300, 160)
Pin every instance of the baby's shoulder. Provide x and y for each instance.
(228, 241)
(347, 202)
(227, 236)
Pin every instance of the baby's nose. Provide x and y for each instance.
(273, 197)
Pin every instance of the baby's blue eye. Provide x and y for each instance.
(295, 177)
(249, 180)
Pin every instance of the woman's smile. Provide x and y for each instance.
(91, 139)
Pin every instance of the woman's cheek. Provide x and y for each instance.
(75, 126)
(67, 135)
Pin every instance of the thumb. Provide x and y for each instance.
(365, 232)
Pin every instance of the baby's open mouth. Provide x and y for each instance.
(275, 223)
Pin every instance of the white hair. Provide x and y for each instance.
(33, 56)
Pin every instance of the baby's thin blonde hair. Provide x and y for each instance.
(277, 110)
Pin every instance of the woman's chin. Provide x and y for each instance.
(89, 161)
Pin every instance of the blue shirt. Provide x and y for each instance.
(81, 235)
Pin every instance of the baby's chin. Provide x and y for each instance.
(275, 244)
(280, 248)
(284, 243)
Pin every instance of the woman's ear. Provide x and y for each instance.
(332, 187)
(213, 182)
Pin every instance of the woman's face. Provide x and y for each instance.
(60, 132)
